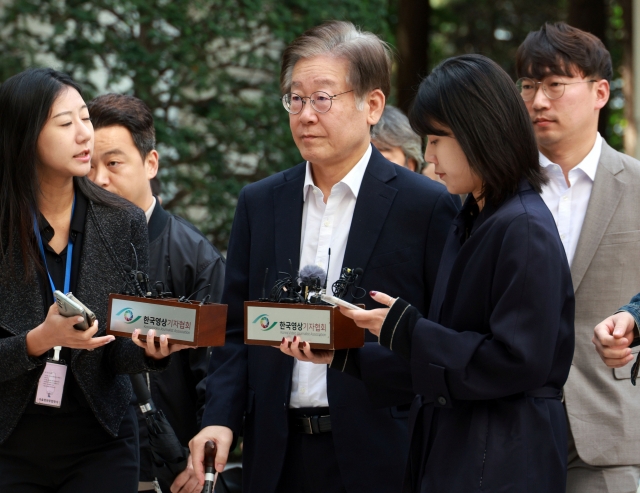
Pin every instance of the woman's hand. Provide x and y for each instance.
(371, 320)
(57, 330)
(150, 348)
(317, 356)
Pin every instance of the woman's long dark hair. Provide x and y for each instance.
(478, 101)
(25, 106)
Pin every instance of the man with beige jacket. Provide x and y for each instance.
(594, 195)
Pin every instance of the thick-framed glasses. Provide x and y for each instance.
(553, 89)
(320, 101)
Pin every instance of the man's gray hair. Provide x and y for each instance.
(394, 130)
(369, 57)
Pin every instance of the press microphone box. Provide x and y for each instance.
(322, 326)
(185, 322)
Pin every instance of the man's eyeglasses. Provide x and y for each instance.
(553, 89)
(320, 101)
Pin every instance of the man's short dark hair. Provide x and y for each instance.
(128, 112)
(471, 97)
(559, 49)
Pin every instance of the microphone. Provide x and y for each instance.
(143, 280)
(324, 288)
(312, 275)
(348, 278)
(138, 279)
(132, 275)
(311, 278)
(264, 286)
(286, 290)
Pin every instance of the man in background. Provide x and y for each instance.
(181, 259)
(594, 195)
(396, 140)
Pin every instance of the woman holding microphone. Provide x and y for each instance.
(485, 367)
(66, 422)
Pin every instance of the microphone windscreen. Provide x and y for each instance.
(309, 272)
(127, 268)
(357, 271)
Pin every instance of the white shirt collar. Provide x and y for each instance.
(149, 211)
(588, 165)
(353, 179)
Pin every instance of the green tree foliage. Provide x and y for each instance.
(207, 68)
(494, 28)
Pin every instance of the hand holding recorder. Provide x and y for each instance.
(59, 330)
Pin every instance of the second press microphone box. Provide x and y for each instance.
(190, 322)
(322, 326)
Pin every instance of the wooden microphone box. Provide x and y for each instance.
(322, 326)
(185, 322)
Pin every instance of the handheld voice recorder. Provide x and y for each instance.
(340, 302)
(70, 306)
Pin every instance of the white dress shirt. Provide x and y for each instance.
(324, 226)
(568, 204)
(149, 211)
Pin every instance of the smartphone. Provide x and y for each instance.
(70, 306)
(337, 301)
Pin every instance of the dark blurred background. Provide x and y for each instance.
(209, 70)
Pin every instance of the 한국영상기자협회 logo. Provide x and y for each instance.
(127, 314)
(263, 320)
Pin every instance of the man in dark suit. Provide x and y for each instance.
(388, 221)
(181, 259)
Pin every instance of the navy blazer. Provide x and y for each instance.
(489, 362)
(397, 234)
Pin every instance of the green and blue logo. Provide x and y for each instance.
(263, 320)
(127, 314)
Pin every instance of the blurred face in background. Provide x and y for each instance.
(65, 142)
(117, 166)
(395, 155)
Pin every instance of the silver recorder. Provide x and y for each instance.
(70, 306)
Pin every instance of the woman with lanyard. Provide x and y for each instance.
(484, 369)
(66, 422)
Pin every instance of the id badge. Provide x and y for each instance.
(51, 384)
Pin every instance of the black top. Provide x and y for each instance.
(72, 397)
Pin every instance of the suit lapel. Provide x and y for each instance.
(372, 207)
(605, 196)
(288, 201)
(287, 208)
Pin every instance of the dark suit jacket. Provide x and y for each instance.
(182, 258)
(496, 346)
(397, 234)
